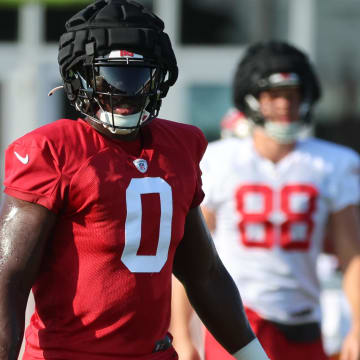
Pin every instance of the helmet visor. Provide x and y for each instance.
(125, 80)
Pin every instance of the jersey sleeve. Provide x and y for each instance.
(345, 188)
(201, 145)
(32, 172)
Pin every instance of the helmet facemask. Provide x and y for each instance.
(284, 133)
(119, 90)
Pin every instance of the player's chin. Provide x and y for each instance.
(287, 119)
(127, 110)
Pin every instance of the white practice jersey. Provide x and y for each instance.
(271, 219)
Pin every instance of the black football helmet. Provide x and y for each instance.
(115, 55)
(274, 64)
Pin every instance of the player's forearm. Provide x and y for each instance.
(11, 327)
(9, 344)
(181, 314)
(228, 324)
(351, 284)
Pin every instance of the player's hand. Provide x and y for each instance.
(187, 352)
(191, 354)
(351, 346)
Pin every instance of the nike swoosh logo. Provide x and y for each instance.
(22, 159)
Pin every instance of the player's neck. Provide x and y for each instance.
(269, 148)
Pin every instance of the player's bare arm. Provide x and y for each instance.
(209, 286)
(182, 310)
(345, 228)
(181, 316)
(210, 218)
(24, 230)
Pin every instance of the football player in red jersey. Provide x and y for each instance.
(279, 192)
(98, 212)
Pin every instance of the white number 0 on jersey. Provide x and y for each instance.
(146, 263)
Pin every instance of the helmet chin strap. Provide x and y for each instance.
(120, 124)
(283, 133)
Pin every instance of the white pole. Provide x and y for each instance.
(302, 25)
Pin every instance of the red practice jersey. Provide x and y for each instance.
(104, 287)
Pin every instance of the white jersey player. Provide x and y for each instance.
(269, 200)
(271, 219)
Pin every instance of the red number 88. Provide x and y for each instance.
(292, 217)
